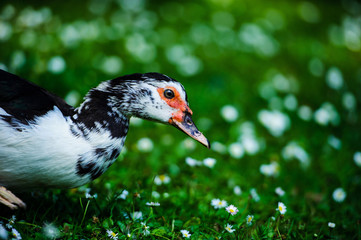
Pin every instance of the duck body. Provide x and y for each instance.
(46, 143)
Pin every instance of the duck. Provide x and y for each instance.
(46, 143)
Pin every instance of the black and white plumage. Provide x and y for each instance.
(44, 142)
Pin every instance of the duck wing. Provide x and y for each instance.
(24, 100)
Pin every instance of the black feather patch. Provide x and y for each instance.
(90, 168)
(25, 100)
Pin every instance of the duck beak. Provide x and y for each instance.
(186, 125)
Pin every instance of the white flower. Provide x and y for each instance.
(193, 162)
(237, 190)
(331, 225)
(250, 144)
(236, 150)
(155, 204)
(327, 114)
(217, 203)
(229, 113)
(254, 195)
(209, 162)
(189, 144)
(11, 222)
(281, 208)
(50, 231)
(88, 195)
(229, 228)
(112, 234)
(293, 150)
(137, 215)
(155, 194)
(111, 65)
(275, 121)
(219, 147)
(162, 179)
(349, 101)
(56, 65)
(334, 142)
(15, 234)
(305, 113)
(279, 191)
(123, 195)
(334, 78)
(3, 232)
(270, 170)
(290, 102)
(357, 158)
(146, 229)
(185, 233)
(145, 145)
(339, 195)
(231, 209)
(249, 220)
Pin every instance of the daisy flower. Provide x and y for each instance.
(237, 190)
(229, 228)
(339, 195)
(123, 195)
(357, 158)
(217, 203)
(193, 162)
(50, 231)
(145, 145)
(331, 225)
(3, 232)
(249, 219)
(254, 195)
(112, 234)
(153, 204)
(162, 179)
(185, 233)
(209, 162)
(146, 229)
(229, 113)
(236, 150)
(231, 209)
(281, 208)
(11, 222)
(279, 191)
(15, 234)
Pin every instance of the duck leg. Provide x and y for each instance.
(9, 199)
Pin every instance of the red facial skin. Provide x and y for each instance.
(177, 103)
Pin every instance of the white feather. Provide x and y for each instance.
(45, 154)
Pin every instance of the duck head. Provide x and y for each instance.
(155, 97)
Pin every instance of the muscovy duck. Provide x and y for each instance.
(46, 143)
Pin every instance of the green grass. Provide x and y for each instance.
(204, 45)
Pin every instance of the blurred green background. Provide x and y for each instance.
(268, 81)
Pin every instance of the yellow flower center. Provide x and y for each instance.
(231, 210)
(280, 208)
(113, 234)
(162, 177)
(249, 219)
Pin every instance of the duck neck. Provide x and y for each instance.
(97, 114)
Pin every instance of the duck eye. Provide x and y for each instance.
(168, 94)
